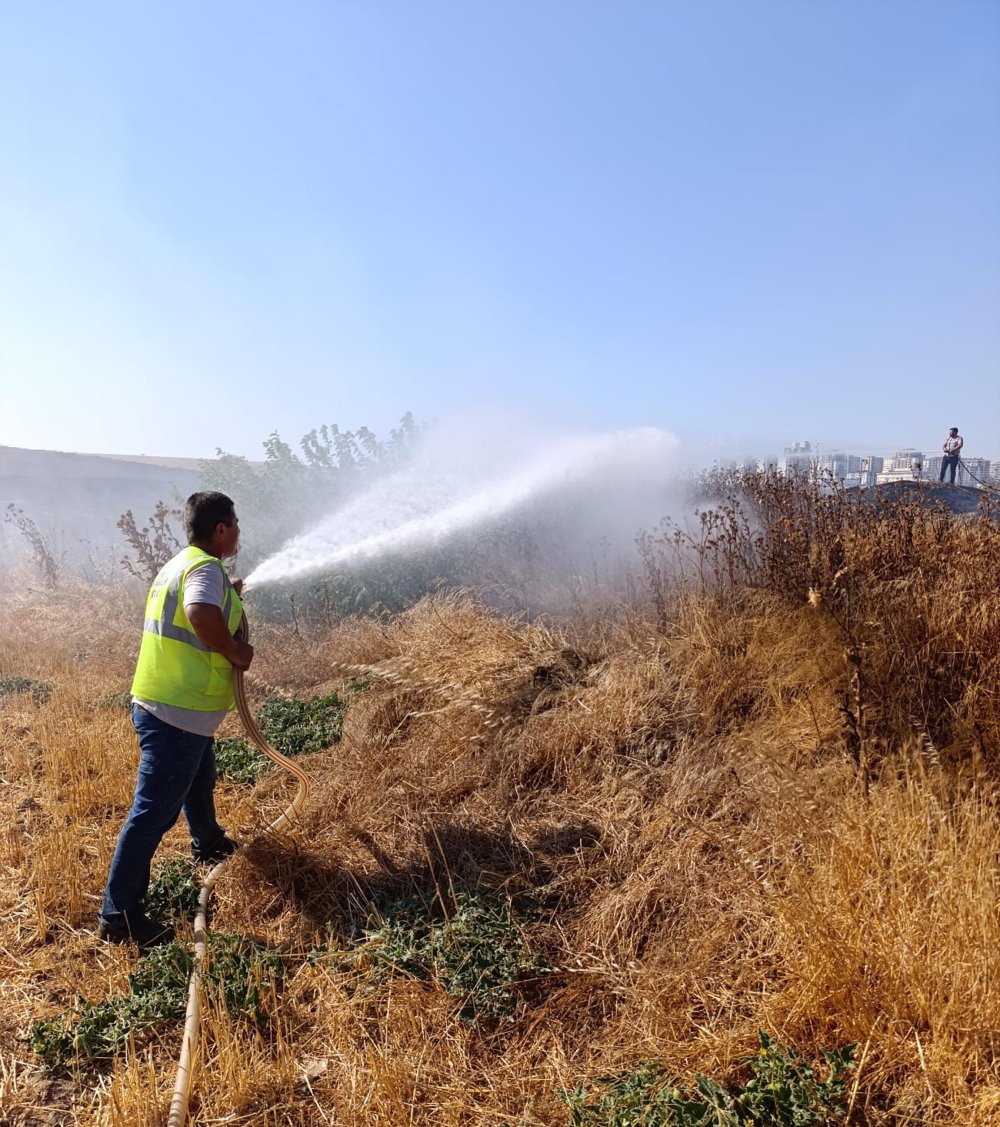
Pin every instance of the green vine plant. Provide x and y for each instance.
(783, 1090)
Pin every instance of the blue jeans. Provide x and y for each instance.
(949, 462)
(176, 772)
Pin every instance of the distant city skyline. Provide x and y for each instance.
(883, 448)
(872, 468)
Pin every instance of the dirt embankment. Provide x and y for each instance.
(959, 499)
(75, 500)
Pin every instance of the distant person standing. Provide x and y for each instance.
(182, 690)
(951, 447)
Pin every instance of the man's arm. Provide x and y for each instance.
(210, 627)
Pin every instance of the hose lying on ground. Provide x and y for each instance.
(961, 462)
(182, 1086)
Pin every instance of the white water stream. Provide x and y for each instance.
(449, 490)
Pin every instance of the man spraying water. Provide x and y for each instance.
(951, 447)
(181, 693)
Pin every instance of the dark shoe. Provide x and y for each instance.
(138, 928)
(216, 852)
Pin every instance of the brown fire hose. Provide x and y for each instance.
(185, 1065)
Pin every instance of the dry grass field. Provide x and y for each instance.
(769, 801)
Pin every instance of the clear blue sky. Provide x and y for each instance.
(745, 221)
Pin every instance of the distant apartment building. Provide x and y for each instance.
(868, 469)
(902, 465)
(974, 471)
(851, 470)
(902, 461)
(798, 456)
(837, 465)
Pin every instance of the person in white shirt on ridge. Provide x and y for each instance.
(951, 447)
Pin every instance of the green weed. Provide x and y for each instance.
(475, 952)
(112, 702)
(292, 726)
(237, 972)
(239, 761)
(11, 685)
(295, 726)
(783, 1091)
(785, 1088)
(173, 891)
(648, 1096)
(157, 992)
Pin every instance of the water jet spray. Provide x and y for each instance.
(434, 500)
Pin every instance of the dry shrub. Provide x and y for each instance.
(78, 630)
(664, 787)
(909, 587)
(888, 922)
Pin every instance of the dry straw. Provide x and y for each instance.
(733, 810)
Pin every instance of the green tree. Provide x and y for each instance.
(287, 492)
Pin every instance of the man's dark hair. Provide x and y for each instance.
(203, 511)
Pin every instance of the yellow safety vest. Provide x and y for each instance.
(175, 667)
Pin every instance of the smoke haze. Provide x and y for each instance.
(571, 491)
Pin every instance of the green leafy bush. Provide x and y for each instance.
(173, 891)
(237, 973)
(783, 1091)
(240, 973)
(11, 684)
(291, 726)
(239, 761)
(289, 491)
(295, 726)
(114, 701)
(785, 1088)
(476, 952)
(157, 992)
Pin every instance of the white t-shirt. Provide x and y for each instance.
(203, 585)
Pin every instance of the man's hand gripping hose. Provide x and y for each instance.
(182, 1087)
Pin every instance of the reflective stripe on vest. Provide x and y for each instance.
(165, 625)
